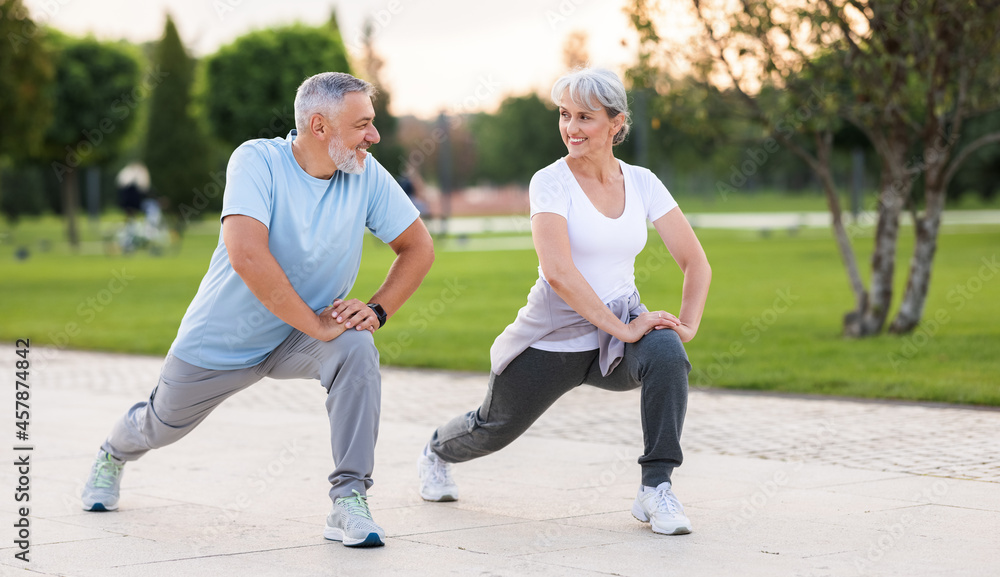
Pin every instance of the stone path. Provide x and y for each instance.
(775, 485)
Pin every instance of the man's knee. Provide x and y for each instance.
(166, 410)
(353, 352)
(357, 346)
(350, 347)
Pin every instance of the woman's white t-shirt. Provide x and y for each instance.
(603, 248)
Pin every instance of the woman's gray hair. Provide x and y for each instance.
(324, 93)
(587, 85)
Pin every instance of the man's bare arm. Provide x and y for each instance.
(246, 242)
(414, 250)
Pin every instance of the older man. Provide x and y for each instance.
(274, 300)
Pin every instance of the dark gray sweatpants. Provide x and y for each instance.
(347, 367)
(535, 379)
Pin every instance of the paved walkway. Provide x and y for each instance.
(775, 485)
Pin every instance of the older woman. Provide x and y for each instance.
(583, 322)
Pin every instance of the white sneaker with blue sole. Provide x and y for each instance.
(351, 523)
(104, 485)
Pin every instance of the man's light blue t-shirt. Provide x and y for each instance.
(315, 229)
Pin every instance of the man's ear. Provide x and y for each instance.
(318, 126)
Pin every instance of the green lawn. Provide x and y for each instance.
(772, 322)
(805, 201)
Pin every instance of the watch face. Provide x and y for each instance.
(379, 312)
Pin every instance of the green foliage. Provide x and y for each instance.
(388, 150)
(21, 193)
(980, 175)
(25, 75)
(251, 83)
(913, 64)
(518, 140)
(176, 151)
(96, 92)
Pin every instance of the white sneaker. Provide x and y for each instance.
(436, 483)
(660, 508)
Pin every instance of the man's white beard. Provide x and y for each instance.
(345, 158)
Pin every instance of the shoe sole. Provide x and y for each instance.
(641, 515)
(100, 507)
(337, 534)
(441, 499)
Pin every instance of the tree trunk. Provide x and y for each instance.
(824, 144)
(918, 282)
(870, 321)
(71, 202)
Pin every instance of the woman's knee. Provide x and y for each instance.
(663, 349)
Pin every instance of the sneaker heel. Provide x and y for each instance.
(638, 513)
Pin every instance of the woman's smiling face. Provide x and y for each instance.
(586, 131)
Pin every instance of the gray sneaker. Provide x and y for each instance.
(104, 484)
(351, 522)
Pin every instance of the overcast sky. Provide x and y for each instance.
(453, 55)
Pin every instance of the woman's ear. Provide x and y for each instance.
(617, 123)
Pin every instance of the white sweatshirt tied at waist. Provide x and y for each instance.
(547, 315)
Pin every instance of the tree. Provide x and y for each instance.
(25, 75)
(176, 152)
(922, 70)
(522, 137)
(388, 148)
(97, 88)
(906, 74)
(782, 92)
(251, 83)
(575, 54)
(25, 106)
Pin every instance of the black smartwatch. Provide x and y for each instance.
(379, 312)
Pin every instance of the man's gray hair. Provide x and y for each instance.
(587, 85)
(324, 93)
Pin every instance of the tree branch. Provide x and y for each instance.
(845, 28)
(973, 146)
(722, 56)
(966, 73)
(877, 140)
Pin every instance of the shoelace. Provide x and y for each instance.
(440, 473)
(356, 505)
(665, 500)
(105, 473)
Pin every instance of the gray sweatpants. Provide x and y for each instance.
(535, 379)
(346, 366)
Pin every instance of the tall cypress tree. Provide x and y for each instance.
(176, 150)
